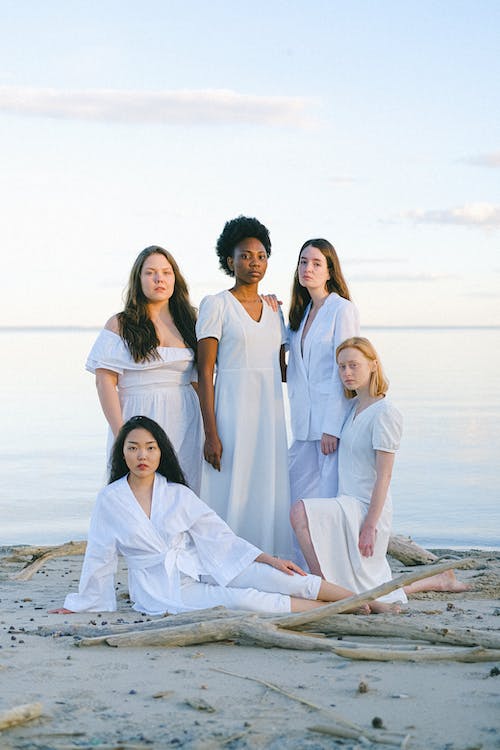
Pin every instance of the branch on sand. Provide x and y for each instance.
(280, 631)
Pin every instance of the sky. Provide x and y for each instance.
(373, 124)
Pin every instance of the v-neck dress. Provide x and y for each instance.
(335, 523)
(159, 389)
(316, 396)
(251, 491)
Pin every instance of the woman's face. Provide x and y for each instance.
(157, 278)
(141, 453)
(249, 261)
(312, 269)
(355, 369)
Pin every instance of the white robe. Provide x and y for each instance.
(183, 536)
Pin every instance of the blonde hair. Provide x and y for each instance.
(379, 384)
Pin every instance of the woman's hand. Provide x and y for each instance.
(272, 300)
(367, 537)
(61, 611)
(286, 566)
(213, 451)
(329, 444)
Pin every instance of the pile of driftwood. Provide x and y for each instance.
(316, 630)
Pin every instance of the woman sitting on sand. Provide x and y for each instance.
(181, 556)
(144, 359)
(346, 537)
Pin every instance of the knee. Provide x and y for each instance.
(298, 517)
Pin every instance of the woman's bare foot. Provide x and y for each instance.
(446, 581)
(382, 608)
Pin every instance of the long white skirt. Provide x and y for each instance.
(334, 526)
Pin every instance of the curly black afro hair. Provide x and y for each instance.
(234, 232)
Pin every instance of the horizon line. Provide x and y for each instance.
(40, 328)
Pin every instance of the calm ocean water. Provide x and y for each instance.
(447, 474)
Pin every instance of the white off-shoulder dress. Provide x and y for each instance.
(160, 389)
(251, 492)
(335, 522)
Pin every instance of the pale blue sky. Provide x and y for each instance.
(373, 124)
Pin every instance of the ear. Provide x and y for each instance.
(230, 262)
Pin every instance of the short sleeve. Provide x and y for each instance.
(108, 352)
(209, 323)
(387, 429)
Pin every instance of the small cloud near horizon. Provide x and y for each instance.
(406, 277)
(471, 214)
(491, 160)
(167, 107)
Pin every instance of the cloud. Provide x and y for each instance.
(471, 214)
(483, 160)
(399, 277)
(193, 107)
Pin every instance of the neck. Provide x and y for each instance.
(245, 291)
(318, 296)
(136, 483)
(159, 311)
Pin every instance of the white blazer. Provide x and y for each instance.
(315, 392)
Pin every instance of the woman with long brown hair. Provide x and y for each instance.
(144, 359)
(321, 316)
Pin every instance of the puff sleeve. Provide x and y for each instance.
(387, 429)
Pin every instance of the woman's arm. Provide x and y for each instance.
(207, 357)
(106, 382)
(384, 462)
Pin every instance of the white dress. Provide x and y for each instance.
(159, 389)
(335, 522)
(316, 395)
(183, 557)
(251, 491)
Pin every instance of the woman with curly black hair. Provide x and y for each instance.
(144, 359)
(245, 477)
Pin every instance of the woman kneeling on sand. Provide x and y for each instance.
(181, 556)
(346, 536)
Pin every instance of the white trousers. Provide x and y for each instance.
(312, 474)
(259, 588)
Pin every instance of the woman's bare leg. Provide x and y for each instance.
(298, 519)
(446, 581)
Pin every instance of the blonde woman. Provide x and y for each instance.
(346, 537)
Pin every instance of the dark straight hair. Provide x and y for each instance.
(169, 464)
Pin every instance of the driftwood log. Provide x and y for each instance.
(40, 555)
(405, 550)
(280, 630)
(20, 715)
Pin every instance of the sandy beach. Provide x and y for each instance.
(183, 697)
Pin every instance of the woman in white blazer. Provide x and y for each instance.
(321, 317)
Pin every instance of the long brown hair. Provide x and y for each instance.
(135, 325)
(336, 282)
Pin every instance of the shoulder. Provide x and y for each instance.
(340, 304)
(387, 416)
(212, 301)
(112, 325)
